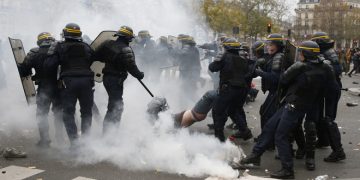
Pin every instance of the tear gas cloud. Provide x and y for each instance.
(138, 144)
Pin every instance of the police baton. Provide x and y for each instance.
(147, 89)
(345, 89)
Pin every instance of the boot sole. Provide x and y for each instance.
(337, 160)
(247, 166)
(287, 177)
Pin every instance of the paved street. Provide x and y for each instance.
(49, 164)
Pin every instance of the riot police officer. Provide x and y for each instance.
(258, 50)
(270, 71)
(47, 91)
(119, 59)
(75, 58)
(304, 81)
(328, 131)
(233, 88)
(188, 59)
(144, 48)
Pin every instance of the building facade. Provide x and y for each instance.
(331, 16)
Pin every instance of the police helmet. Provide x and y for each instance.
(183, 37)
(276, 39)
(321, 38)
(231, 44)
(310, 50)
(144, 34)
(125, 32)
(72, 31)
(44, 38)
(189, 41)
(258, 47)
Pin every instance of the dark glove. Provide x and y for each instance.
(140, 76)
(259, 72)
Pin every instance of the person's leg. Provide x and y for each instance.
(57, 110)
(114, 88)
(69, 98)
(86, 101)
(288, 121)
(198, 112)
(43, 106)
(219, 111)
(265, 139)
(300, 139)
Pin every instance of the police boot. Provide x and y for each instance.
(245, 134)
(220, 135)
(336, 156)
(283, 174)
(253, 159)
(310, 160)
(44, 141)
(335, 137)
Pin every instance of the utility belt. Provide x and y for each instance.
(117, 74)
(62, 85)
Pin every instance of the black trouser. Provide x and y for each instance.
(77, 88)
(268, 108)
(48, 94)
(114, 87)
(230, 102)
(332, 97)
(355, 68)
(328, 109)
(278, 128)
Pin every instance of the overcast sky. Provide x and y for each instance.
(292, 5)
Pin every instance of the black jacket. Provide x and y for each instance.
(305, 83)
(74, 57)
(234, 69)
(35, 59)
(119, 59)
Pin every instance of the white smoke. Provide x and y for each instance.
(138, 144)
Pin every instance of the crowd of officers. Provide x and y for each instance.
(63, 73)
(300, 93)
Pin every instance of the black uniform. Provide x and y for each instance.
(233, 88)
(119, 60)
(75, 58)
(304, 81)
(331, 101)
(189, 64)
(47, 92)
(270, 74)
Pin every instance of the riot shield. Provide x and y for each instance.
(98, 66)
(27, 83)
(290, 55)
